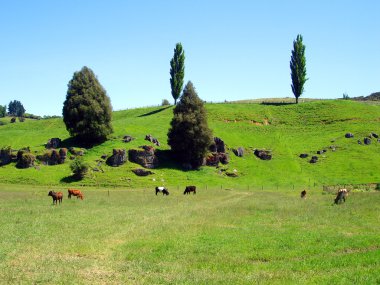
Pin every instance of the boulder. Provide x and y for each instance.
(303, 155)
(376, 136)
(5, 155)
(118, 157)
(239, 151)
(74, 151)
(25, 159)
(145, 157)
(142, 172)
(53, 143)
(214, 158)
(152, 140)
(313, 160)
(62, 155)
(127, 139)
(218, 145)
(367, 141)
(349, 135)
(263, 154)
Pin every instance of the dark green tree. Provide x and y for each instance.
(177, 71)
(298, 67)
(3, 111)
(15, 108)
(189, 136)
(87, 110)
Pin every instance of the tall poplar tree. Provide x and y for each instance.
(298, 67)
(87, 110)
(189, 136)
(177, 71)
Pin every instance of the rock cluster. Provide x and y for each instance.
(118, 157)
(218, 154)
(263, 154)
(53, 143)
(152, 140)
(142, 172)
(146, 156)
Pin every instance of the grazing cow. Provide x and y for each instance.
(303, 194)
(341, 196)
(74, 192)
(163, 190)
(57, 196)
(190, 189)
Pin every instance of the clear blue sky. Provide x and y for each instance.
(234, 49)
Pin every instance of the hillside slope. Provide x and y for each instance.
(286, 130)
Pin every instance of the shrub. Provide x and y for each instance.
(25, 159)
(13, 120)
(79, 168)
(165, 102)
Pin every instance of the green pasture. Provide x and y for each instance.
(285, 129)
(121, 236)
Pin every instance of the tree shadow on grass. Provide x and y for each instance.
(70, 179)
(168, 161)
(154, 112)
(277, 103)
(75, 142)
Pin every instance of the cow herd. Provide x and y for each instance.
(58, 196)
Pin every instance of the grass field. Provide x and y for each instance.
(120, 236)
(287, 130)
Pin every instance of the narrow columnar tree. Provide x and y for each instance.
(298, 67)
(177, 71)
(87, 109)
(189, 136)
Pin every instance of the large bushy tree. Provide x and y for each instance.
(87, 110)
(189, 136)
(177, 71)
(15, 108)
(298, 67)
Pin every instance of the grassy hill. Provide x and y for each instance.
(285, 129)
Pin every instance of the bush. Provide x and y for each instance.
(165, 102)
(21, 119)
(25, 159)
(13, 120)
(79, 168)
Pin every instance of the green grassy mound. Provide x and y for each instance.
(286, 129)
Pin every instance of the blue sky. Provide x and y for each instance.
(234, 49)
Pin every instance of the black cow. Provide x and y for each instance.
(190, 189)
(303, 194)
(341, 196)
(163, 190)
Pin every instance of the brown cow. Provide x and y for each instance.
(57, 196)
(74, 192)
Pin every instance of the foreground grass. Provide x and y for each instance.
(215, 237)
